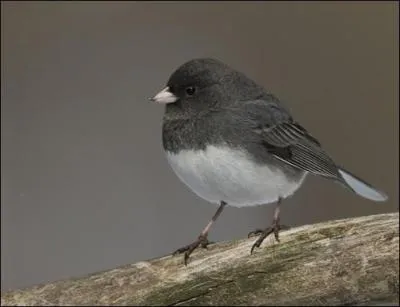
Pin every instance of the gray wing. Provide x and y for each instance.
(287, 140)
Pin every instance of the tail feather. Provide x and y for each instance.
(362, 188)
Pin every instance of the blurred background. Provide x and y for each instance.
(84, 181)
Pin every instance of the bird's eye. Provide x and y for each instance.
(190, 90)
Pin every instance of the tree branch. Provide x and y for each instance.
(351, 261)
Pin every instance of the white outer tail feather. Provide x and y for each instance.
(362, 188)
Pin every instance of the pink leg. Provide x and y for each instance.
(202, 239)
(274, 228)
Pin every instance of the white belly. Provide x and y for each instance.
(219, 173)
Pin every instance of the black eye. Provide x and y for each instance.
(190, 90)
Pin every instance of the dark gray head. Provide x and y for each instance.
(202, 84)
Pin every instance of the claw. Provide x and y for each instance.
(188, 249)
(275, 228)
(255, 233)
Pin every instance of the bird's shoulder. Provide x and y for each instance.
(260, 113)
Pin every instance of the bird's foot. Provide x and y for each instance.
(188, 249)
(263, 233)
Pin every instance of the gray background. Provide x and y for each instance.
(85, 184)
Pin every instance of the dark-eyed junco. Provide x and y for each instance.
(232, 142)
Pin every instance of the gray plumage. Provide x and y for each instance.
(227, 108)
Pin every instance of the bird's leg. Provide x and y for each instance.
(202, 239)
(274, 228)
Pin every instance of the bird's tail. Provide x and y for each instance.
(361, 188)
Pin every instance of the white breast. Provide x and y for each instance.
(220, 173)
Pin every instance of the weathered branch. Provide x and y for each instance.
(348, 261)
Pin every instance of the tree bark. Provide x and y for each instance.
(352, 261)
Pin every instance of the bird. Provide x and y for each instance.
(232, 142)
